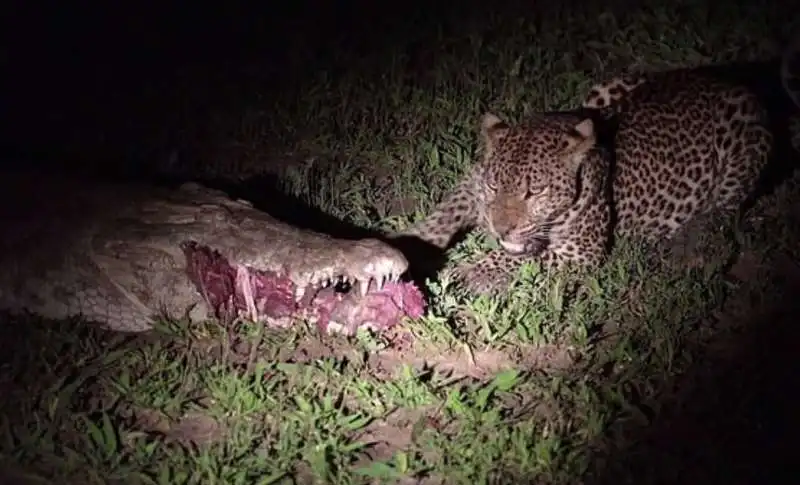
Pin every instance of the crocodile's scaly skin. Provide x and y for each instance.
(112, 253)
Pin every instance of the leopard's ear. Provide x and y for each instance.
(492, 129)
(585, 128)
(579, 141)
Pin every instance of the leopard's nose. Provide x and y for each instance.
(502, 228)
(503, 232)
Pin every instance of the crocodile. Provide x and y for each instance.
(125, 254)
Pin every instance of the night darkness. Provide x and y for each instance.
(344, 118)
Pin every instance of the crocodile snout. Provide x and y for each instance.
(373, 260)
(358, 262)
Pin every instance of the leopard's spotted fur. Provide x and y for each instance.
(686, 144)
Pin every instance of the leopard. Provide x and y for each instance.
(557, 189)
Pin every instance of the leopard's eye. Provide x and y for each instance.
(535, 191)
(491, 185)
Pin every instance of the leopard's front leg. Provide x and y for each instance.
(491, 274)
(497, 270)
(459, 209)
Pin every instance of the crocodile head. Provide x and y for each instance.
(119, 255)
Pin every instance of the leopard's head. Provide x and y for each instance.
(531, 175)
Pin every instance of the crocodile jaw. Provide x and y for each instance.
(260, 242)
(233, 289)
(361, 263)
(318, 265)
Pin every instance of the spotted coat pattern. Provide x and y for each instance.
(686, 145)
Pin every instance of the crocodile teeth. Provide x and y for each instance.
(363, 287)
(299, 293)
(318, 280)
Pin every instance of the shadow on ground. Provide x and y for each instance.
(732, 418)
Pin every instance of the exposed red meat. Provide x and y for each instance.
(215, 278)
(378, 310)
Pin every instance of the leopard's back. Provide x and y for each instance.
(686, 144)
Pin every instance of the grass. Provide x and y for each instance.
(549, 382)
